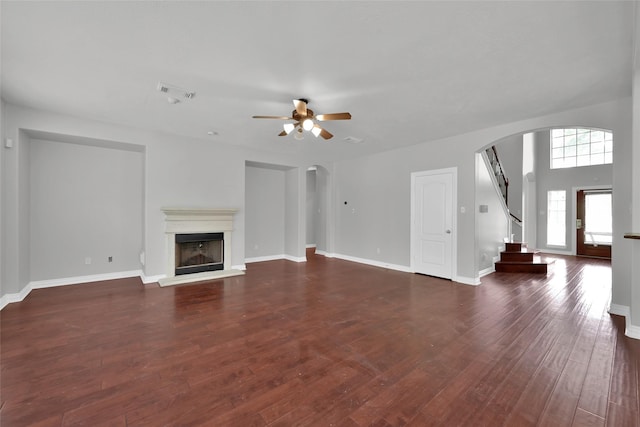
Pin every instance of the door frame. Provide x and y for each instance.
(574, 211)
(454, 213)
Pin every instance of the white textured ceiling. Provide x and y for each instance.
(408, 72)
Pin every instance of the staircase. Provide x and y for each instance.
(517, 258)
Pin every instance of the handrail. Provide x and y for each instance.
(518, 220)
(498, 171)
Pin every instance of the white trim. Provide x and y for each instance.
(325, 254)
(620, 310)
(403, 268)
(66, 281)
(198, 277)
(487, 271)
(473, 281)
(554, 251)
(263, 258)
(632, 331)
(274, 258)
(17, 297)
(52, 283)
(241, 267)
(152, 279)
(374, 263)
(311, 245)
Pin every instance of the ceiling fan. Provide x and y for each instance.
(305, 120)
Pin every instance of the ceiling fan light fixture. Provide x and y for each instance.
(307, 124)
(316, 131)
(299, 135)
(288, 127)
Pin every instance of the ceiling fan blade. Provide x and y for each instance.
(301, 106)
(273, 117)
(325, 134)
(283, 133)
(333, 116)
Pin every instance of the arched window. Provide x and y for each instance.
(573, 147)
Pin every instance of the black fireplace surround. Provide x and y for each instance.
(199, 252)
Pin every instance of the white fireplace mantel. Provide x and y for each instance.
(197, 220)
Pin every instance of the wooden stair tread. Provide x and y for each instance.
(529, 264)
(536, 260)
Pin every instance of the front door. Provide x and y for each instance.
(432, 233)
(594, 223)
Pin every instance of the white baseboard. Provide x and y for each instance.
(374, 263)
(632, 331)
(473, 281)
(620, 310)
(555, 251)
(275, 257)
(325, 254)
(403, 268)
(311, 245)
(241, 267)
(17, 297)
(152, 279)
(41, 284)
(263, 258)
(487, 271)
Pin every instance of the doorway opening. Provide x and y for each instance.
(594, 224)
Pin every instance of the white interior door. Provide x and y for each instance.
(432, 232)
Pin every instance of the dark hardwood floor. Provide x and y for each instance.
(323, 343)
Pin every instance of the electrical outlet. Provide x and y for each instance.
(87, 260)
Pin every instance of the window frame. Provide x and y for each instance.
(568, 149)
(553, 213)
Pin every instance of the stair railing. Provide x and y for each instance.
(501, 178)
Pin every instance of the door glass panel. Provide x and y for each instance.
(598, 223)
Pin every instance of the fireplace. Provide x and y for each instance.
(198, 245)
(198, 252)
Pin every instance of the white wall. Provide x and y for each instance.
(378, 187)
(179, 172)
(325, 211)
(264, 207)
(85, 202)
(633, 326)
(492, 226)
(311, 208)
(510, 154)
(295, 214)
(566, 179)
(2, 196)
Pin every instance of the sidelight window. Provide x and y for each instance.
(556, 218)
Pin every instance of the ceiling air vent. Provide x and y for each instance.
(353, 140)
(175, 93)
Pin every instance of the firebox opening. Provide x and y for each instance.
(199, 252)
